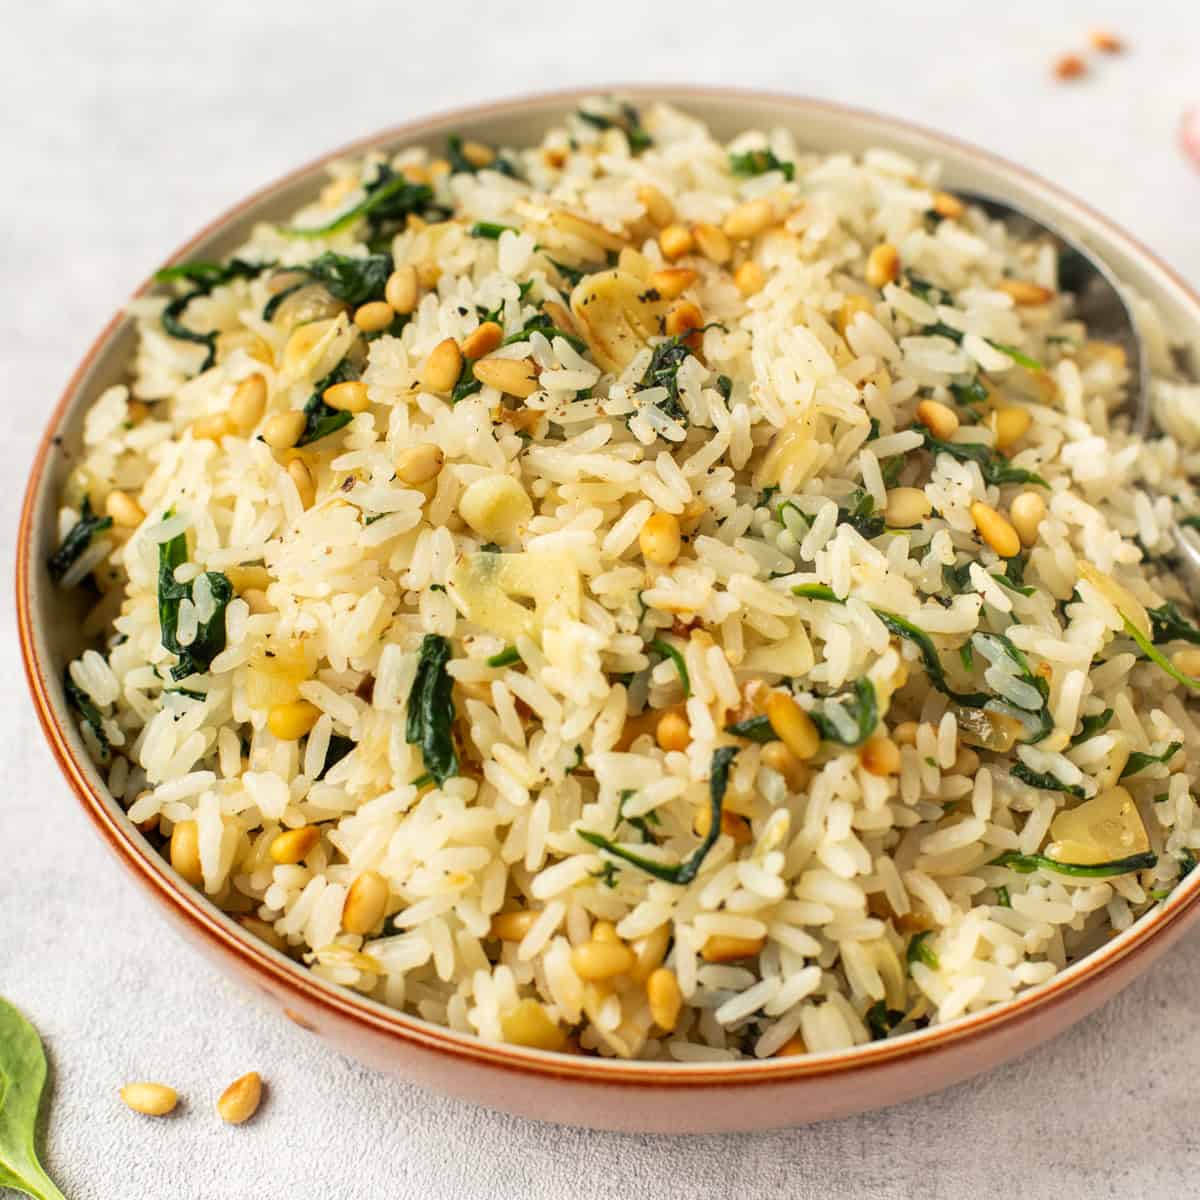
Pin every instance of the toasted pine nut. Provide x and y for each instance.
(212, 428)
(283, 430)
(721, 948)
(662, 991)
(995, 529)
(443, 366)
(513, 926)
(294, 845)
(673, 732)
(1010, 425)
(605, 931)
(1026, 513)
(794, 1045)
(365, 903)
(658, 208)
(905, 734)
(136, 411)
(650, 951)
(749, 220)
(516, 376)
(675, 241)
(851, 307)
(883, 265)
(350, 396)
(712, 243)
(1069, 66)
(375, 316)
(249, 402)
(793, 725)
(660, 538)
(477, 154)
(782, 761)
(420, 463)
(290, 722)
(1187, 660)
(240, 1100)
(906, 507)
(940, 419)
(948, 206)
(302, 478)
(683, 317)
(880, 755)
(528, 1024)
(749, 278)
(672, 282)
(151, 1099)
(601, 960)
(966, 762)
(402, 290)
(482, 340)
(124, 510)
(185, 852)
(1025, 293)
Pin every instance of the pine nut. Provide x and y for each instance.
(211, 428)
(720, 948)
(940, 419)
(851, 307)
(483, 340)
(782, 761)
(443, 366)
(650, 951)
(283, 430)
(883, 265)
(995, 529)
(660, 538)
(905, 734)
(124, 510)
(1026, 513)
(350, 396)
(601, 960)
(419, 464)
(515, 376)
(793, 725)
(662, 991)
(906, 507)
(365, 903)
(528, 1024)
(477, 154)
(749, 220)
(880, 755)
(375, 316)
(794, 1045)
(605, 931)
(675, 241)
(294, 845)
(249, 402)
(1025, 293)
(673, 732)
(495, 507)
(712, 243)
(658, 208)
(672, 282)
(151, 1099)
(683, 318)
(302, 478)
(402, 290)
(185, 852)
(1187, 660)
(948, 206)
(1010, 425)
(966, 762)
(240, 1100)
(513, 926)
(749, 278)
(290, 722)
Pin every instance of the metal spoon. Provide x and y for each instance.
(1101, 305)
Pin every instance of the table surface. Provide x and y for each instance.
(127, 126)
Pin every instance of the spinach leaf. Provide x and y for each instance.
(765, 496)
(968, 394)
(1021, 359)
(998, 642)
(881, 1020)
(641, 824)
(754, 729)
(817, 591)
(929, 658)
(993, 466)
(386, 203)
(1138, 761)
(319, 419)
(1168, 623)
(194, 659)
(607, 874)
(1090, 727)
(759, 162)
(431, 709)
(78, 538)
(1003, 899)
(490, 230)
(668, 651)
(663, 371)
(506, 658)
(571, 275)
(861, 516)
(542, 324)
(22, 1078)
(682, 872)
(89, 714)
(629, 122)
(1157, 657)
(204, 277)
(1044, 780)
(339, 747)
(918, 951)
(863, 710)
(354, 280)
(460, 164)
(1026, 864)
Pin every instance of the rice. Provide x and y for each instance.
(507, 649)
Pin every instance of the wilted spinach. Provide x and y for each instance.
(993, 466)
(1090, 727)
(319, 419)
(1044, 780)
(1026, 864)
(759, 162)
(430, 723)
(1169, 624)
(195, 658)
(863, 710)
(89, 714)
(78, 538)
(666, 650)
(1139, 761)
(461, 164)
(629, 122)
(387, 201)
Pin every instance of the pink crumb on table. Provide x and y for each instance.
(1189, 134)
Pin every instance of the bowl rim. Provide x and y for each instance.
(269, 966)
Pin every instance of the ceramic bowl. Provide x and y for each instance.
(611, 1094)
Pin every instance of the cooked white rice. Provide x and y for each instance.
(853, 891)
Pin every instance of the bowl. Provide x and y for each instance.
(603, 1093)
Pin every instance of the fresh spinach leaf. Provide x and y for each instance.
(666, 650)
(431, 709)
(1026, 864)
(1139, 761)
(78, 538)
(759, 162)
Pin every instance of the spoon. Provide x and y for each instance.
(1101, 305)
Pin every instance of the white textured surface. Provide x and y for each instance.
(127, 126)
